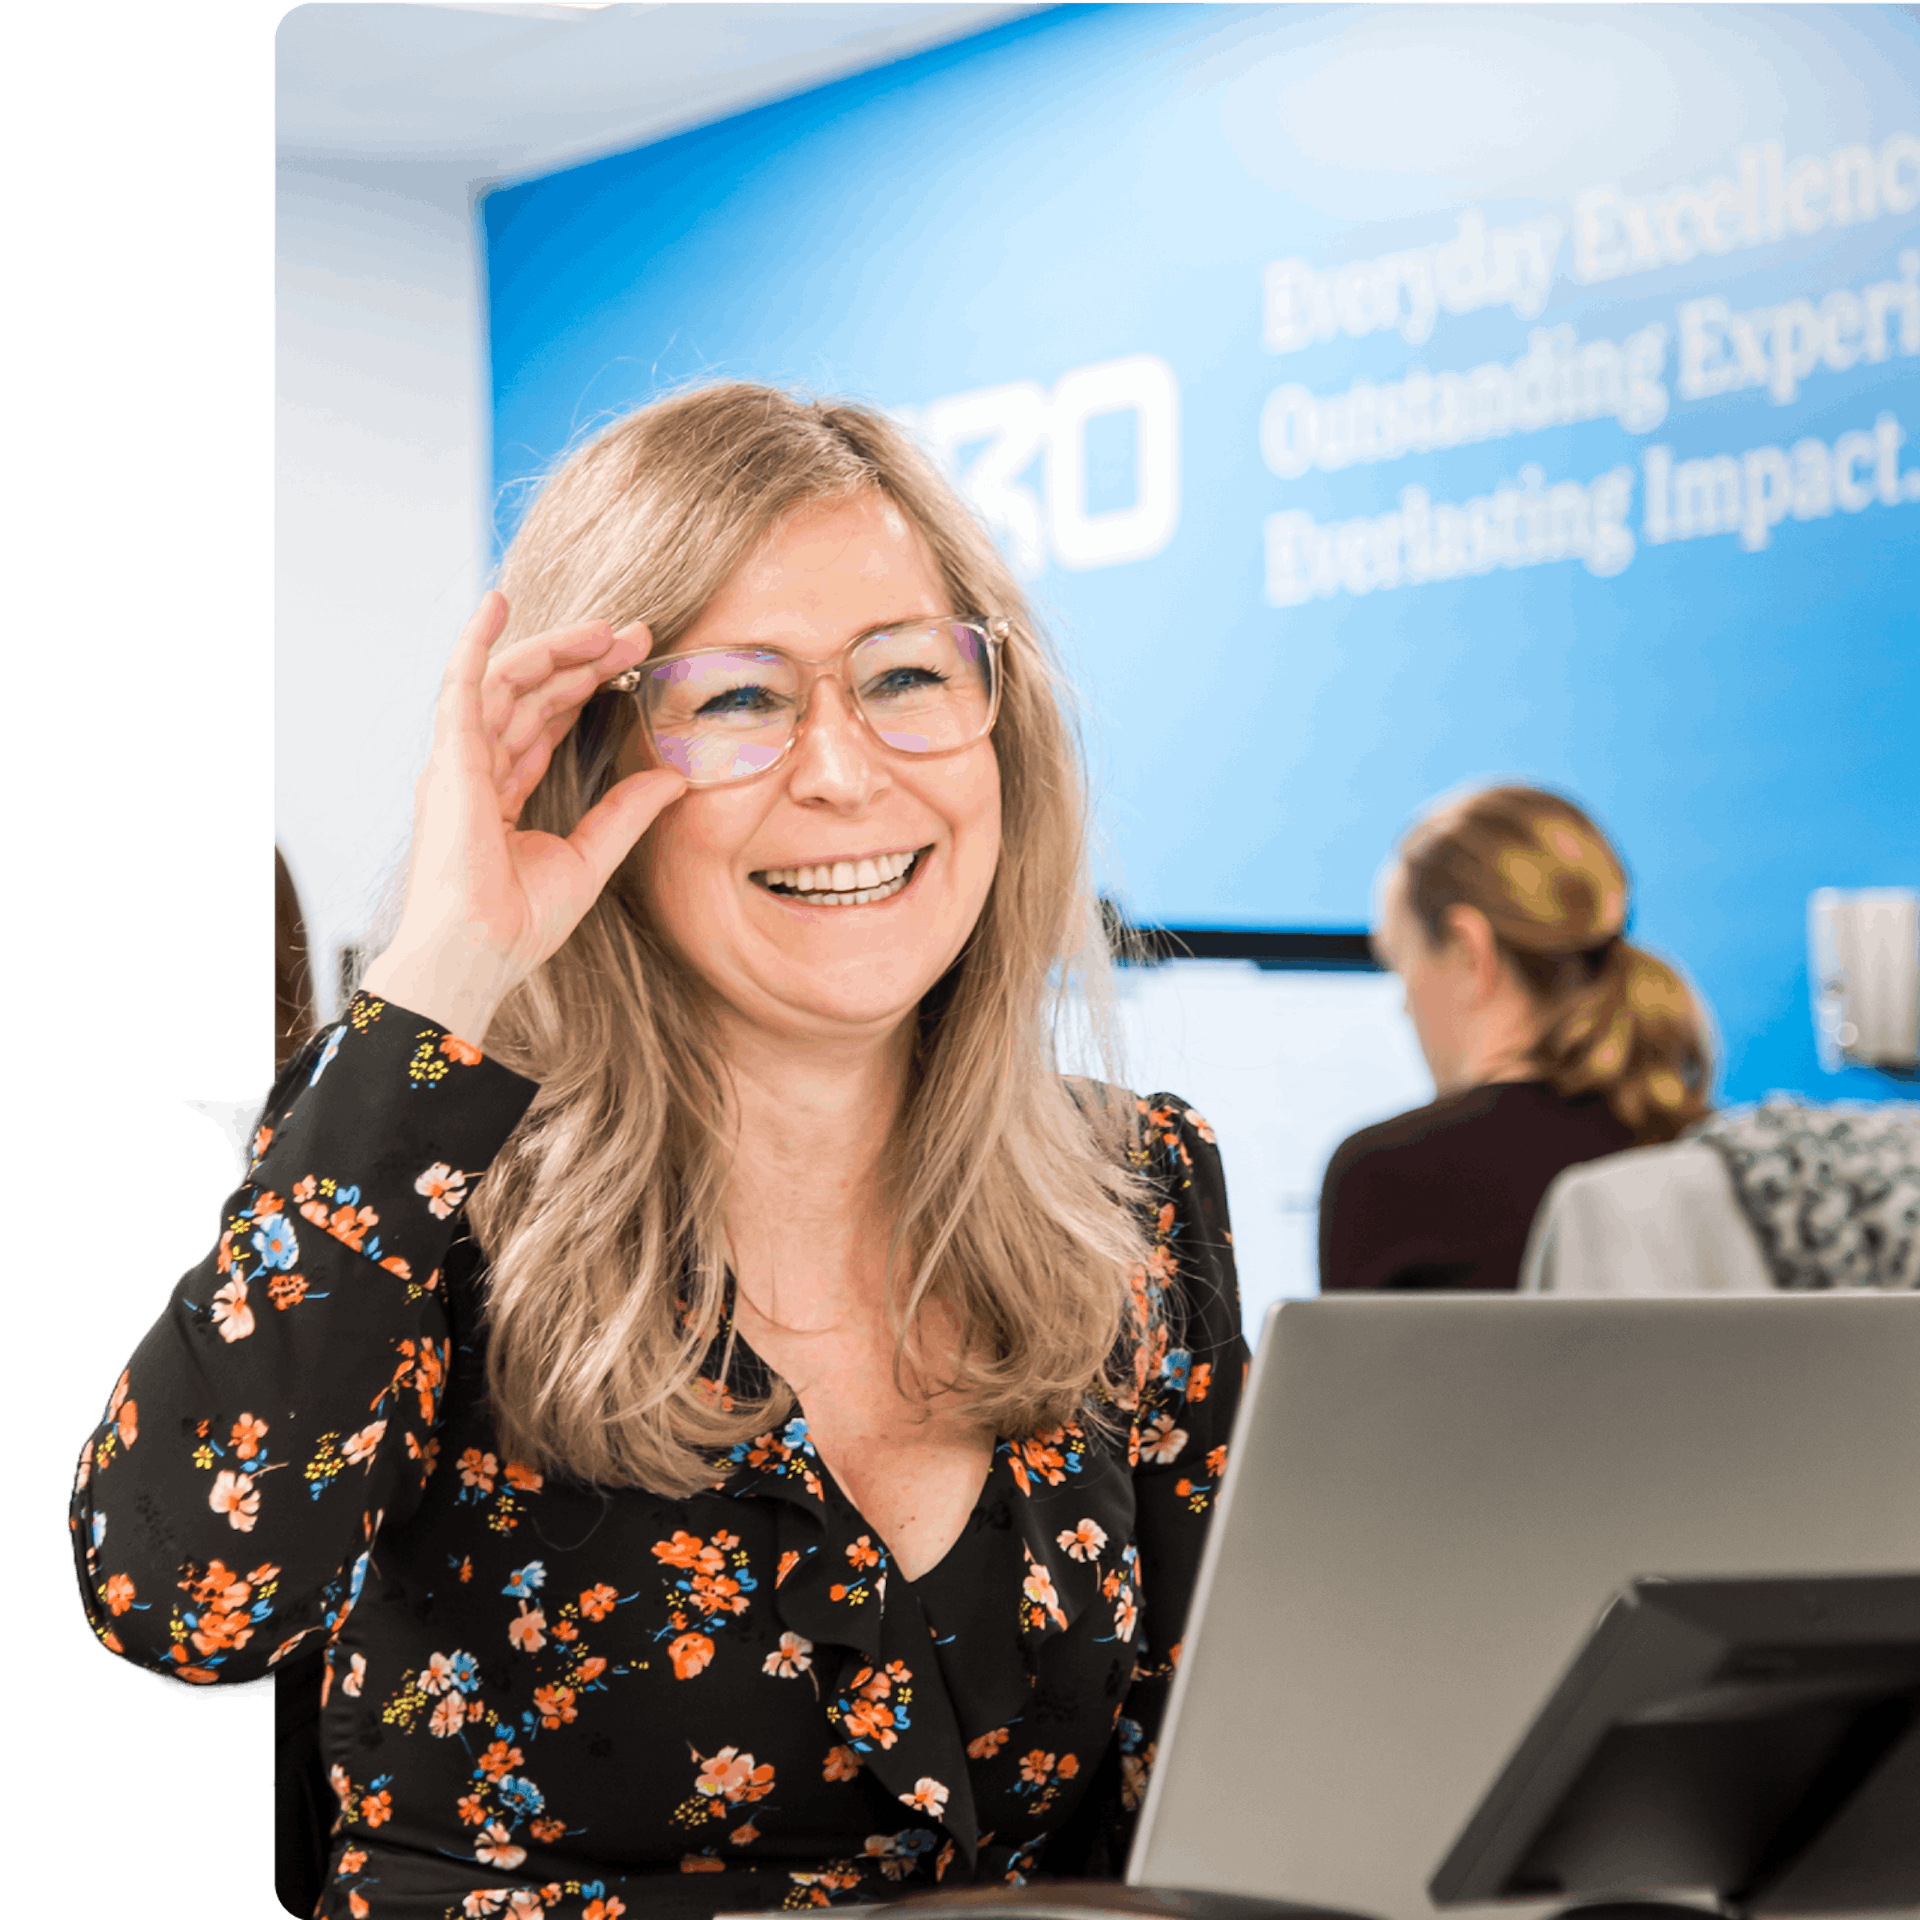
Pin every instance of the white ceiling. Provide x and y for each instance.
(502, 90)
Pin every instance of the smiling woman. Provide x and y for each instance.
(789, 1465)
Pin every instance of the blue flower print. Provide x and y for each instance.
(526, 1581)
(795, 1435)
(465, 1672)
(274, 1242)
(333, 1046)
(521, 1796)
(1176, 1369)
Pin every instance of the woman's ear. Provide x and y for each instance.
(1474, 950)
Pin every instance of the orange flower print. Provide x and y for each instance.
(528, 1631)
(471, 1811)
(842, 1764)
(520, 1475)
(744, 1836)
(449, 1716)
(1042, 1602)
(117, 1593)
(1084, 1541)
(1069, 1766)
(351, 1225)
(987, 1745)
(477, 1470)
(377, 1808)
(862, 1554)
(444, 1189)
(1126, 1616)
(352, 1860)
(1201, 1128)
(702, 1863)
(231, 1314)
(790, 1659)
(495, 1846)
(358, 1906)
(597, 1602)
(235, 1495)
(689, 1654)
(1163, 1442)
(500, 1758)
(246, 1436)
(611, 1908)
(459, 1052)
(287, 1290)
(554, 1705)
(1217, 1460)
(788, 1561)
(546, 1829)
(686, 1551)
(928, 1796)
(1199, 1380)
(1035, 1768)
(364, 1444)
(127, 1422)
(356, 1676)
(731, 1776)
(1044, 1458)
(718, 1593)
(398, 1266)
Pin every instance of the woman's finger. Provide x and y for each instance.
(529, 665)
(608, 831)
(560, 698)
(459, 733)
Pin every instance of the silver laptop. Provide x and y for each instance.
(1429, 1503)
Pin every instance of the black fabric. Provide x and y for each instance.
(1442, 1198)
(539, 1697)
(303, 1804)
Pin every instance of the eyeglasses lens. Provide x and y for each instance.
(726, 715)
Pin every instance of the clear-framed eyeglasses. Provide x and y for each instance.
(721, 715)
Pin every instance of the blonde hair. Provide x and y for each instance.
(602, 1219)
(1620, 1022)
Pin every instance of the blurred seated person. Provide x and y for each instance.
(1551, 1039)
(1789, 1195)
(294, 1018)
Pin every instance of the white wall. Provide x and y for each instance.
(1283, 1066)
(381, 460)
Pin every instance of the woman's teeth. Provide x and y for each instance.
(842, 883)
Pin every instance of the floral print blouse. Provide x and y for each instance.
(542, 1697)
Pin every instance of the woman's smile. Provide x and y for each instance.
(863, 880)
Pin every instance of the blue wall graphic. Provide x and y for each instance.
(1375, 399)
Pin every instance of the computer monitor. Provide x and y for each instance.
(1431, 1500)
(1754, 1740)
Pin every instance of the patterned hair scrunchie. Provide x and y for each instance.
(1832, 1192)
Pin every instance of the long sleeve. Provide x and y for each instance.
(284, 1404)
(1190, 1391)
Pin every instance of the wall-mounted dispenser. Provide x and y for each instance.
(1864, 963)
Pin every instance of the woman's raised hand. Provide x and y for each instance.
(487, 902)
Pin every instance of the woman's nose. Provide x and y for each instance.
(835, 760)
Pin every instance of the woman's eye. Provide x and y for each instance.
(736, 700)
(900, 680)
